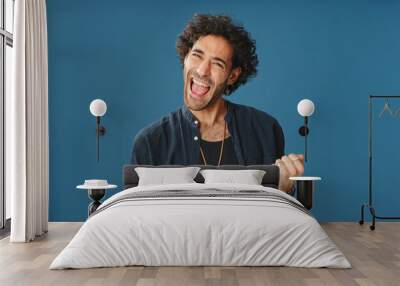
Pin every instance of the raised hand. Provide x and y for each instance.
(289, 166)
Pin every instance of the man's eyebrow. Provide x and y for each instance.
(198, 51)
(215, 58)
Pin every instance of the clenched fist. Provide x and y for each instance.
(289, 166)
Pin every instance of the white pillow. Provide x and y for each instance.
(248, 177)
(162, 176)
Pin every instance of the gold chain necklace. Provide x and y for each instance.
(220, 152)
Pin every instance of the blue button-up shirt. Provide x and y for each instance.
(175, 139)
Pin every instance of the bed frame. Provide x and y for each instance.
(270, 179)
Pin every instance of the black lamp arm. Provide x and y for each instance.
(303, 131)
(100, 131)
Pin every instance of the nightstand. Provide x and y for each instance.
(96, 190)
(305, 188)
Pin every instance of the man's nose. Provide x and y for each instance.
(204, 68)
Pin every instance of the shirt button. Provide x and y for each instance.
(196, 122)
(195, 138)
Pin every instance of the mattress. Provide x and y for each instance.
(201, 225)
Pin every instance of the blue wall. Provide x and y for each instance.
(333, 52)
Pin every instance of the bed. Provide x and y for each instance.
(201, 224)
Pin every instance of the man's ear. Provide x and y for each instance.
(235, 73)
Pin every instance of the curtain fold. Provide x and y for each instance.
(27, 136)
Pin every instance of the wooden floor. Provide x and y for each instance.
(374, 255)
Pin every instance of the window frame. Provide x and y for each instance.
(6, 38)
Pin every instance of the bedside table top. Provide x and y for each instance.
(85, 187)
(305, 178)
(96, 184)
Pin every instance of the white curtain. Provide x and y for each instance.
(27, 124)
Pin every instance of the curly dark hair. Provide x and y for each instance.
(244, 47)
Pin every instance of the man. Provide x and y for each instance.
(217, 57)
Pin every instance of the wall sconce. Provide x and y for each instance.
(98, 108)
(306, 109)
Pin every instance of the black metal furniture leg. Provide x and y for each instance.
(305, 193)
(93, 207)
(96, 195)
(362, 215)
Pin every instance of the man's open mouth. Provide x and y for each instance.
(198, 88)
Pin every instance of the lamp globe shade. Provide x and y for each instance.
(305, 107)
(98, 107)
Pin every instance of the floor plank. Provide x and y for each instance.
(374, 255)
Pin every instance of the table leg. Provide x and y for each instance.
(305, 193)
(96, 195)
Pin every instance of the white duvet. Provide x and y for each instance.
(200, 231)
